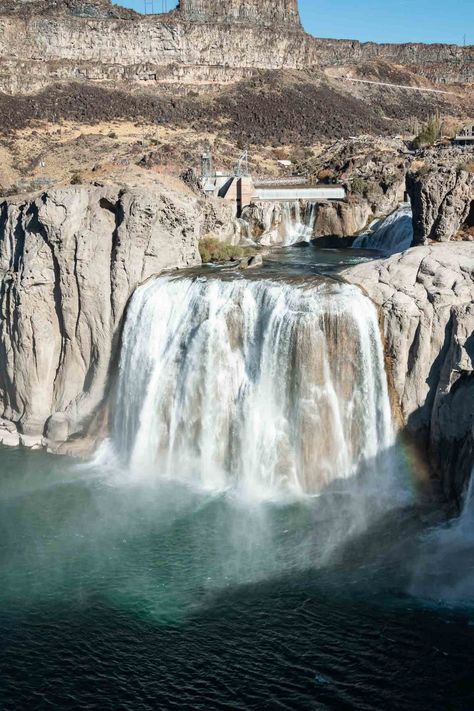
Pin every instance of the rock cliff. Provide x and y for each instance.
(69, 261)
(269, 223)
(442, 195)
(426, 298)
(258, 12)
(46, 41)
(71, 258)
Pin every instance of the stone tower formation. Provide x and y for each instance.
(257, 12)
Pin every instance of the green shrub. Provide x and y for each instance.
(359, 186)
(76, 179)
(113, 135)
(212, 249)
(424, 170)
(429, 134)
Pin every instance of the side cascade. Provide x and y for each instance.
(392, 235)
(298, 222)
(266, 386)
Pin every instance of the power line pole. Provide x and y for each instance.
(149, 7)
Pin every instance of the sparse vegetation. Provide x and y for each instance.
(467, 167)
(359, 186)
(424, 170)
(212, 249)
(76, 179)
(429, 134)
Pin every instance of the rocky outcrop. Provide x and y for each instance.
(442, 195)
(426, 298)
(69, 261)
(78, 8)
(275, 223)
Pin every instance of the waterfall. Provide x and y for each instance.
(444, 567)
(466, 518)
(298, 222)
(268, 386)
(392, 235)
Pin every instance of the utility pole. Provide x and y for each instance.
(149, 7)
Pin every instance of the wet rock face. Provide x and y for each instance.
(69, 261)
(426, 296)
(442, 196)
(272, 223)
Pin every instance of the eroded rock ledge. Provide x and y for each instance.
(426, 296)
(69, 261)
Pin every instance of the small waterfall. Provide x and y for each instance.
(392, 235)
(262, 385)
(466, 519)
(444, 568)
(298, 222)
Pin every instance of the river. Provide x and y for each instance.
(203, 558)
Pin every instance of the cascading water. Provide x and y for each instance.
(268, 386)
(392, 235)
(444, 569)
(298, 222)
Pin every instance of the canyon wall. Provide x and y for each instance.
(93, 42)
(426, 299)
(69, 261)
(443, 199)
(71, 258)
(259, 12)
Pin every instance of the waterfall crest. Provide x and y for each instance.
(268, 386)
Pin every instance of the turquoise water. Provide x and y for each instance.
(155, 596)
(132, 592)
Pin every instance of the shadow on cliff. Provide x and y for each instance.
(429, 430)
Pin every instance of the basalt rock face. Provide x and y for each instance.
(46, 41)
(78, 8)
(69, 261)
(259, 12)
(426, 297)
(442, 196)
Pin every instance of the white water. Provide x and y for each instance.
(298, 222)
(444, 570)
(392, 235)
(267, 386)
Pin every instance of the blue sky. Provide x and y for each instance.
(379, 20)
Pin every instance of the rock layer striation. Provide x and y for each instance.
(42, 42)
